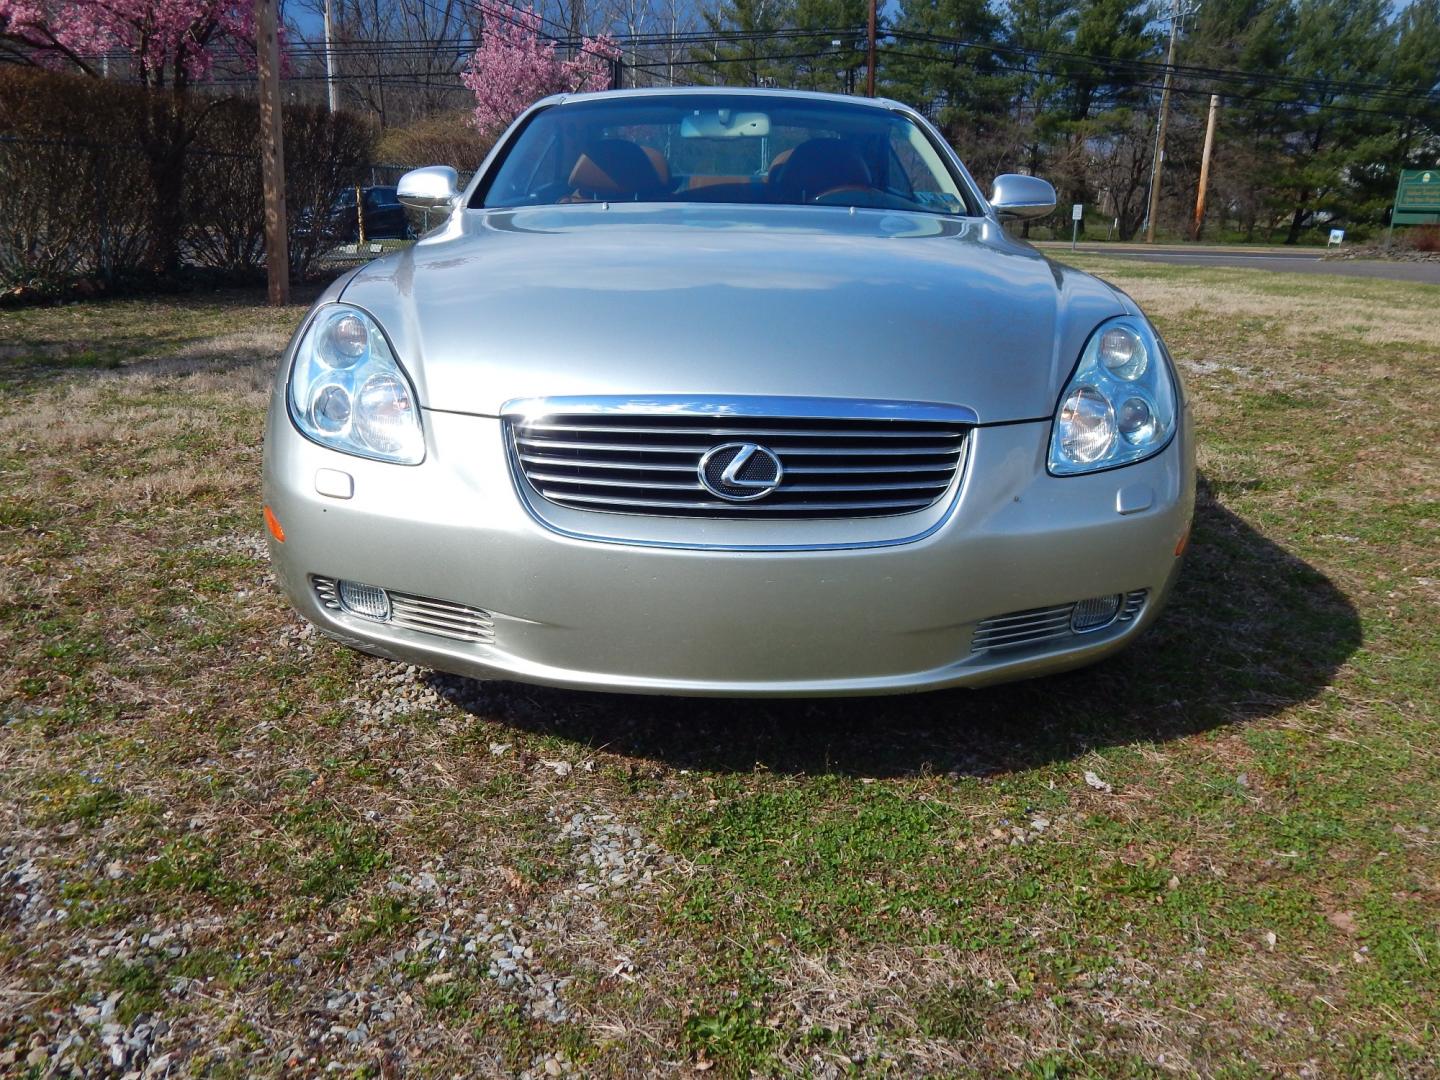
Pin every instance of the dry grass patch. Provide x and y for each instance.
(230, 847)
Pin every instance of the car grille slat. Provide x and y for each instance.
(418, 613)
(644, 431)
(1029, 639)
(427, 614)
(577, 463)
(881, 461)
(459, 632)
(842, 470)
(795, 509)
(1020, 629)
(600, 481)
(1030, 618)
(999, 629)
(780, 448)
(1036, 633)
(903, 486)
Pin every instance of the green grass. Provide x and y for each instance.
(911, 886)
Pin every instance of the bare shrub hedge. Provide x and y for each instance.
(447, 139)
(1425, 237)
(78, 195)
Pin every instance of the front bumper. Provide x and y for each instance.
(574, 612)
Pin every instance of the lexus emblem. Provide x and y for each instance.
(740, 472)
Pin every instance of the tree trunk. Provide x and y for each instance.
(1297, 222)
(166, 142)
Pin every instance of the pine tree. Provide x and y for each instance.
(757, 60)
(964, 88)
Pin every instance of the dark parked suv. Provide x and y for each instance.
(384, 216)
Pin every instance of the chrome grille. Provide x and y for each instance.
(1023, 628)
(862, 459)
(423, 613)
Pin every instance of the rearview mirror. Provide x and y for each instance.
(724, 124)
(1018, 196)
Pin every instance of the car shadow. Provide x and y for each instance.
(1250, 630)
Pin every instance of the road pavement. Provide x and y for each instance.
(1290, 261)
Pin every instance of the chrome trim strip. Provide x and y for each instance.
(799, 508)
(1021, 629)
(641, 429)
(531, 410)
(420, 614)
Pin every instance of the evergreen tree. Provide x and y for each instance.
(1103, 105)
(749, 62)
(965, 89)
(1337, 42)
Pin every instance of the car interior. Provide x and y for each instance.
(575, 154)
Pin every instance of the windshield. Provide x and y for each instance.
(723, 149)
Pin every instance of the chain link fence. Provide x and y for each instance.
(106, 187)
(370, 221)
(83, 211)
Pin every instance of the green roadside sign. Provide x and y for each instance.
(1417, 199)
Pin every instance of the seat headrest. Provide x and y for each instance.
(818, 166)
(617, 169)
(662, 167)
(777, 166)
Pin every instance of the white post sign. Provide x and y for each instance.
(1077, 215)
(1337, 236)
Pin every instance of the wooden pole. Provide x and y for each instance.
(1160, 130)
(1205, 167)
(870, 55)
(272, 152)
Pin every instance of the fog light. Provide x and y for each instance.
(1094, 613)
(367, 600)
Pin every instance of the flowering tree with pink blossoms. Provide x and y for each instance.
(173, 41)
(173, 44)
(515, 65)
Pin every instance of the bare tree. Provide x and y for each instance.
(400, 60)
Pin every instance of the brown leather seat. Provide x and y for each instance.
(820, 166)
(662, 167)
(615, 169)
(777, 166)
(693, 183)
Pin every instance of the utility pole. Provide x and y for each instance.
(1205, 167)
(1177, 16)
(870, 55)
(334, 90)
(272, 152)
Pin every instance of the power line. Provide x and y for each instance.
(1198, 92)
(1252, 85)
(1135, 64)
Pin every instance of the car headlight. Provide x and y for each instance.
(1119, 406)
(348, 392)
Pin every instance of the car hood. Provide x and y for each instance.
(806, 301)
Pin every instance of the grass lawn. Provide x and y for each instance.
(229, 841)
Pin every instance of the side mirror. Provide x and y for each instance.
(428, 194)
(1017, 196)
(431, 188)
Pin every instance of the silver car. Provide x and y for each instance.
(727, 392)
